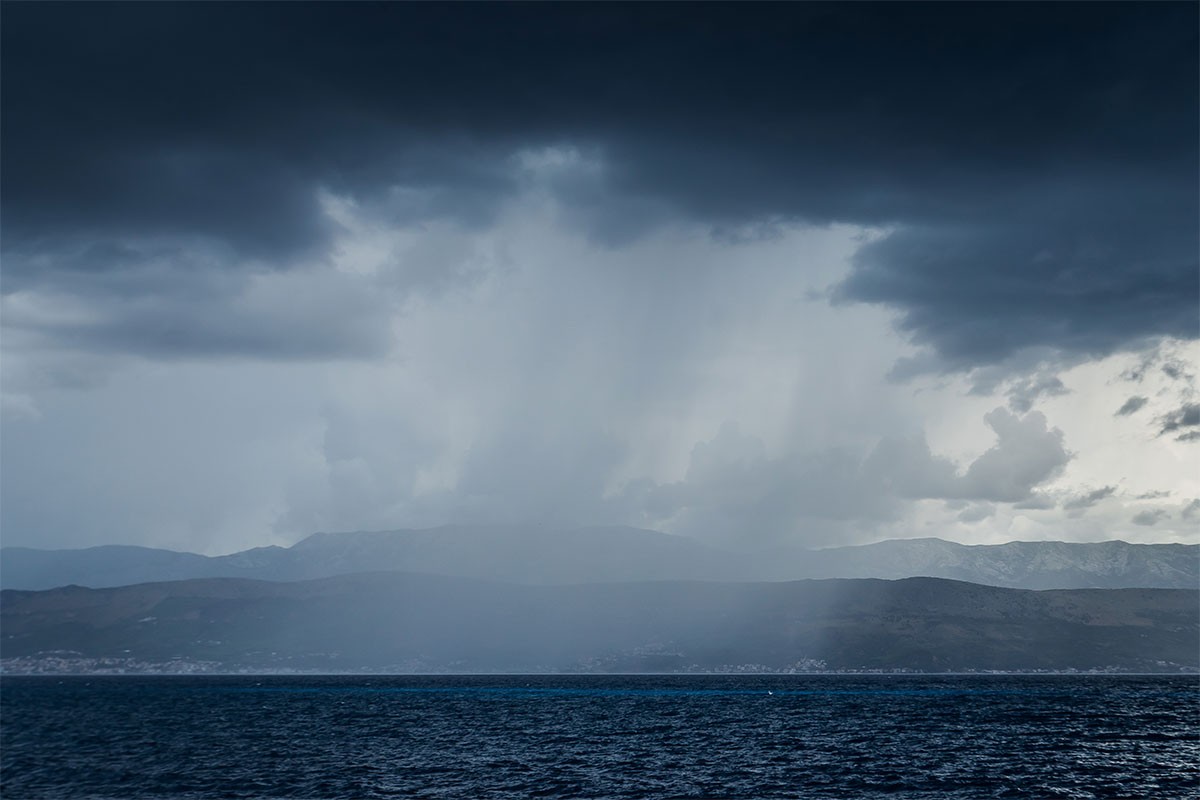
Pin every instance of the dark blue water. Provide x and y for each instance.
(591, 736)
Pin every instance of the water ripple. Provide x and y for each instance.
(593, 737)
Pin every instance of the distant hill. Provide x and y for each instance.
(535, 555)
(404, 622)
(1024, 565)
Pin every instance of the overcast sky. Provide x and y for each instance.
(811, 274)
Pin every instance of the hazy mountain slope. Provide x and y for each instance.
(110, 565)
(1027, 565)
(525, 555)
(424, 622)
(553, 556)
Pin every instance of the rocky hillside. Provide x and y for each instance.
(401, 622)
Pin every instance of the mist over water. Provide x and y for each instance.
(610, 736)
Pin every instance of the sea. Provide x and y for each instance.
(622, 736)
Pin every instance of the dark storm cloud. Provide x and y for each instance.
(978, 294)
(1037, 163)
(1131, 406)
(172, 302)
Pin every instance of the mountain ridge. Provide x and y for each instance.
(605, 554)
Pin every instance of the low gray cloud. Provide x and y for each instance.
(1081, 502)
(1166, 359)
(1027, 391)
(298, 315)
(1131, 406)
(1177, 370)
(977, 513)
(1149, 517)
(1037, 501)
(1186, 416)
(1191, 510)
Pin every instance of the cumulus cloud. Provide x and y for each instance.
(731, 474)
(732, 491)
(1027, 453)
